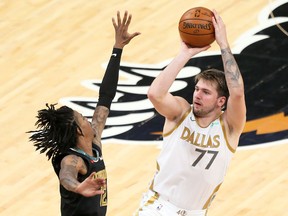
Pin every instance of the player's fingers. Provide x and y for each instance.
(216, 16)
(128, 20)
(125, 18)
(114, 23)
(98, 192)
(215, 13)
(100, 181)
(134, 35)
(93, 175)
(118, 18)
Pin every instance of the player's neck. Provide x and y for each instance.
(85, 146)
(205, 121)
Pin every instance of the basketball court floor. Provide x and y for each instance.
(55, 51)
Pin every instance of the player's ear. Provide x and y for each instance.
(79, 131)
(221, 101)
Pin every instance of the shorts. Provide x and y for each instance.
(153, 205)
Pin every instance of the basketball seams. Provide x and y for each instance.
(183, 20)
(196, 34)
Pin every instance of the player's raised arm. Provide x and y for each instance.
(110, 80)
(164, 102)
(236, 109)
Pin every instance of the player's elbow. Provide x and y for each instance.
(153, 95)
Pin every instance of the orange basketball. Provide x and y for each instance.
(196, 27)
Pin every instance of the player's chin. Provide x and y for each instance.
(197, 109)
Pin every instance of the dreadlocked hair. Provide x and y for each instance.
(56, 130)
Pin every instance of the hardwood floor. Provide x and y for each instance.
(49, 46)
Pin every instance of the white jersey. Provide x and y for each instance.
(192, 163)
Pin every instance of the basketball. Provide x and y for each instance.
(196, 27)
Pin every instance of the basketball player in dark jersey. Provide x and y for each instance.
(74, 144)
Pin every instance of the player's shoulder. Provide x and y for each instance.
(72, 159)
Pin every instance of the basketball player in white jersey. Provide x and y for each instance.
(198, 140)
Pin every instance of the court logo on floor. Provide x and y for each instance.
(262, 57)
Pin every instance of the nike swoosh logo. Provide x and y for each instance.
(192, 119)
(114, 54)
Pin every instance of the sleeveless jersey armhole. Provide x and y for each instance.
(225, 135)
(177, 125)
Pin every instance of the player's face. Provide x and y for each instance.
(84, 124)
(205, 98)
